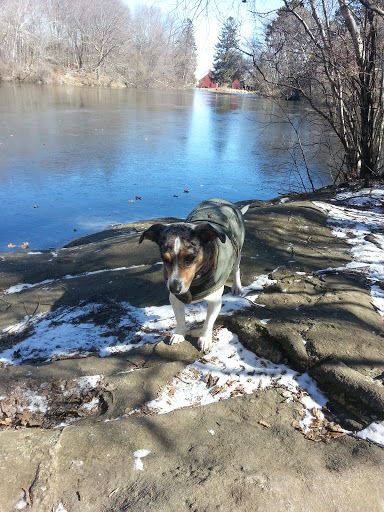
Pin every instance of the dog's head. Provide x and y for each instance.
(182, 250)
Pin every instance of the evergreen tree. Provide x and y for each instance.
(185, 54)
(228, 61)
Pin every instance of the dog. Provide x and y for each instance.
(199, 255)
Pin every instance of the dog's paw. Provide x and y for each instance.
(176, 338)
(205, 344)
(236, 289)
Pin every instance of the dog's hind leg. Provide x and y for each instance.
(236, 283)
(178, 309)
(213, 309)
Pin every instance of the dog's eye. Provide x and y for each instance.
(189, 260)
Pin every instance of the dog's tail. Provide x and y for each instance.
(244, 209)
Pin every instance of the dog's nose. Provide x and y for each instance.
(175, 287)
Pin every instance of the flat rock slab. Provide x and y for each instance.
(238, 454)
(218, 457)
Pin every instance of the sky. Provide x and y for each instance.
(208, 20)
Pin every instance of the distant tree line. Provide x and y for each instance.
(98, 41)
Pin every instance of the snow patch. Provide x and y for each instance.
(140, 454)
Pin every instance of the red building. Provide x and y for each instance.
(207, 81)
(236, 84)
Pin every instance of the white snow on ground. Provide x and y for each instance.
(374, 432)
(229, 370)
(61, 508)
(363, 230)
(23, 286)
(22, 504)
(68, 331)
(140, 454)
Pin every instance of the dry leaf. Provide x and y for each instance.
(316, 414)
(210, 381)
(27, 495)
(264, 424)
(216, 390)
(296, 425)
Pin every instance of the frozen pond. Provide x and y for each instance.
(76, 160)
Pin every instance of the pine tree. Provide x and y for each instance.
(228, 61)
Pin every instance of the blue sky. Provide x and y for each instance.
(208, 21)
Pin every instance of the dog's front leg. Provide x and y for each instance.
(178, 309)
(236, 284)
(213, 309)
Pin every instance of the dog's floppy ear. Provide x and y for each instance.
(207, 233)
(153, 233)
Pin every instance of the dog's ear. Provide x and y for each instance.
(207, 233)
(153, 233)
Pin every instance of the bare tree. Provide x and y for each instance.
(185, 54)
(337, 50)
(98, 40)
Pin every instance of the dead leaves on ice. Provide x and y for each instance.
(24, 245)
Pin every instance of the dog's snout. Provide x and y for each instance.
(175, 287)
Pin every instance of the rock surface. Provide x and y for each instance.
(234, 455)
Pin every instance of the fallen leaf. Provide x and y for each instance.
(264, 424)
(210, 381)
(335, 435)
(239, 390)
(217, 390)
(27, 495)
(316, 414)
(296, 425)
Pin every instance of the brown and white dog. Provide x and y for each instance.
(199, 255)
